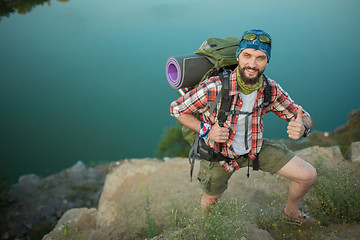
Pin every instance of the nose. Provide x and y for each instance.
(252, 62)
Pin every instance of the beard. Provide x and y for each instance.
(250, 80)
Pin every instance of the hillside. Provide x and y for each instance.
(143, 197)
(154, 198)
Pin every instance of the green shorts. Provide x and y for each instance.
(272, 157)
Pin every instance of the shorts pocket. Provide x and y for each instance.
(204, 173)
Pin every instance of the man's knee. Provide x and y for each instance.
(209, 200)
(312, 174)
(309, 172)
(299, 170)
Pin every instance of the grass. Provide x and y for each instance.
(141, 219)
(184, 220)
(71, 232)
(224, 221)
(336, 194)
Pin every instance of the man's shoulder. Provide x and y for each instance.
(271, 81)
(212, 82)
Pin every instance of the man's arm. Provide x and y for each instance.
(190, 121)
(296, 127)
(217, 133)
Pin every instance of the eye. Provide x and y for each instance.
(262, 58)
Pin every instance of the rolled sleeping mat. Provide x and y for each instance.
(186, 71)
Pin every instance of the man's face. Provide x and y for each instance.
(252, 64)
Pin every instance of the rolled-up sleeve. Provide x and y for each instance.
(195, 101)
(283, 106)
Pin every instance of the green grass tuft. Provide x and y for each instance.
(225, 221)
(335, 195)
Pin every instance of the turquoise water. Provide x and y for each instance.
(85, 80)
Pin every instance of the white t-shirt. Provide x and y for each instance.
(239, 139)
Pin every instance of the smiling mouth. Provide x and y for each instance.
(251, 71)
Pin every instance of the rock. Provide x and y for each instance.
(73, 215)
(28, 225)
(35, 202)
(29, 179)
(73, 224)
(136, 185)
(78, 167)
(5, 236)
(255, 233)
(141, 189)
(353, 153)
(133, 185)
(127, 170)
(134, 191)
(331, 155)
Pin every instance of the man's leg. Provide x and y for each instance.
(207, 201)
(214, 181)
(302, 176)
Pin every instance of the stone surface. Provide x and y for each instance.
(131, 189)
(77, 222)
(133, 185)
(78, 167)
(353, 153)
(29, 179)
(38, 203)
(331, 155)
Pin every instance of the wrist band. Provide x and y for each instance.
(204, 130)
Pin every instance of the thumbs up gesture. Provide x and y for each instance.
(296, 128)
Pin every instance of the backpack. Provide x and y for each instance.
(221, 52)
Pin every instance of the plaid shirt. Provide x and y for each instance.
(199, 101)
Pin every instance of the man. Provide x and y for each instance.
(240, 142)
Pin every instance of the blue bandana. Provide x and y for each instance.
(255, 44)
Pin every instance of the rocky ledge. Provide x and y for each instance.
(102, 202)
(132, 185)
(37, 204)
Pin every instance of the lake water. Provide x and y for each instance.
(85, 80)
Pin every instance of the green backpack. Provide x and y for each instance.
(222, 53)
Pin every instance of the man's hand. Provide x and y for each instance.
(219, 134)
(296, 128)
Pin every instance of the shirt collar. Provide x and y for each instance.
(234, 86)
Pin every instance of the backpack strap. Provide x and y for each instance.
(267, 93)
(266, 103)
(224, 107)
(225, 98)
(193, 154)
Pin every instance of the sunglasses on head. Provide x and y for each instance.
(262, 38)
